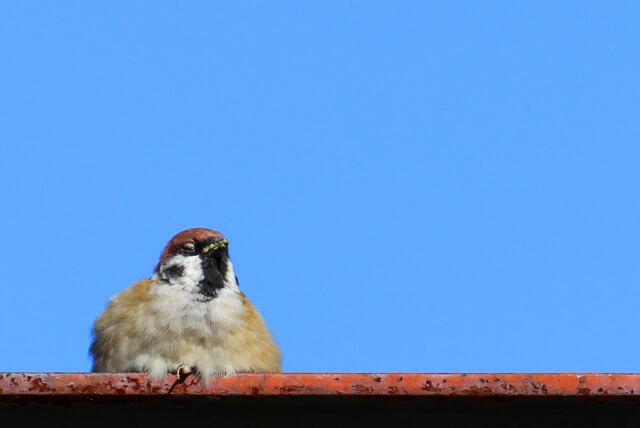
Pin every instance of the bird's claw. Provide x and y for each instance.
(183, 372)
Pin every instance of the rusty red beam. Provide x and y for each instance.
(291, 384)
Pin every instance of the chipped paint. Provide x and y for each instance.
(292, 384)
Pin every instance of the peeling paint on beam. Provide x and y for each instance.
(321, 384)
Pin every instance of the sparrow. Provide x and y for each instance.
(189, 317)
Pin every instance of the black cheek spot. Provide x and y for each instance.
(173, 271)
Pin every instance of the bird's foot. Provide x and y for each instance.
(183, 372)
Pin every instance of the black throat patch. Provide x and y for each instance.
(214, 268)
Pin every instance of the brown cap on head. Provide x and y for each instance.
(195, 235)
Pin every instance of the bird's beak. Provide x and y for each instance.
(218, 243)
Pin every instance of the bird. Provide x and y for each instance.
(189, 317)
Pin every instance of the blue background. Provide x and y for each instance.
(407, 186)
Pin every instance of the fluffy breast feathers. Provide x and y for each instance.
(154, 327)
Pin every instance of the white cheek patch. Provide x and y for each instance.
(230, 278)
(191, 274)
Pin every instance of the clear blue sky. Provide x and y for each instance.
(407, 186)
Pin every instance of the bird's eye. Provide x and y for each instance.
(189, 247)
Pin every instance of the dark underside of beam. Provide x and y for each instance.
(320, 411)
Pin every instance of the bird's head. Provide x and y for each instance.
(197, 261)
